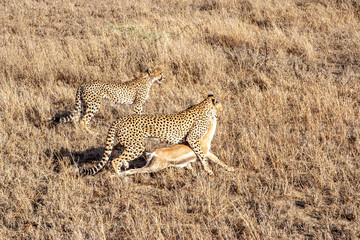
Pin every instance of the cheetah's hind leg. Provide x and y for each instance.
(127, 155)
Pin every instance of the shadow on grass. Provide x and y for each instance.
(88, 158)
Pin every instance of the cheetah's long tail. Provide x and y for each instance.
(108, 149)
(75, 114)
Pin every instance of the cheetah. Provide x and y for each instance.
(180, 155)
(131, 131)
(89, 95)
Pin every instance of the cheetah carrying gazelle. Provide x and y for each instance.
(89, 95)
(131, 131)
(179, 155)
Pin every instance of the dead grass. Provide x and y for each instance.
(287, 73)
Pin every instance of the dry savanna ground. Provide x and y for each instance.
(286, 71)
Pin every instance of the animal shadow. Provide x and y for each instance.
(89, 158)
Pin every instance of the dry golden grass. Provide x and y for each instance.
(287, 73)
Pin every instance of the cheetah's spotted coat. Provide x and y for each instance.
(131, 131)
(89, 95)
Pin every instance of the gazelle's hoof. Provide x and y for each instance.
(230, 169)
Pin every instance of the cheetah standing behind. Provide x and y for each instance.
(89, 95)
(131, 131)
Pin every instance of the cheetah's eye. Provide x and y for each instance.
(215, 101)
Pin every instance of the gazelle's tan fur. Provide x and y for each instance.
(179, 155)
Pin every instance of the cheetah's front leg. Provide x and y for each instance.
(138, 105)
(90, 110)
(138, 108)
(196, 147)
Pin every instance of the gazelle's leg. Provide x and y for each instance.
(215, 159)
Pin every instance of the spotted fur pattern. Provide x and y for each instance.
(89, 95)
(179, 155)
(131, 131)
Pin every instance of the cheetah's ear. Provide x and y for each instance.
(149, 70)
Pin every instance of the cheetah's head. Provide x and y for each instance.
(156, 74)
(216, 107)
